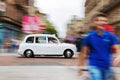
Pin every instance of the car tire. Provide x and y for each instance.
(68, 53)
(29, 54)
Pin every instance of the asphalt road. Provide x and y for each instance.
(17, 60)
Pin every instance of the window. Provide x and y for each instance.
(30, 40)
(40, 40)
(52, 40)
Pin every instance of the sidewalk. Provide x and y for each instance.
(38, 73)
(9, 54)
(42, 73)
(7, 51)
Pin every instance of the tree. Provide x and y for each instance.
(50, 29)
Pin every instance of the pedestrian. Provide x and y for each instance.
(78, 44)
(78, 41)
(96, 48)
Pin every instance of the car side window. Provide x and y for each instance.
(41, 40)
(30, 40)
(52, 40)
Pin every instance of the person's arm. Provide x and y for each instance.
(116, 46)
(82, 57)
(116, 61)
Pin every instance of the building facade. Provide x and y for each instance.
(109, 7)
(11, 18)
(42, 20)
(74, 27)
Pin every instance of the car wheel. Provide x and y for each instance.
(68, 53)
(28, 54)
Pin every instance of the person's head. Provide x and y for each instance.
(99, 20)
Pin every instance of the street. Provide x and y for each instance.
(11, 59)
(15, 67)
(17, 60)
(44, 73)
(38, 73)
(59, 27)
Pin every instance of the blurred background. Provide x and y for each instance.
(22, 17)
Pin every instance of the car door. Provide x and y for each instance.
(53, 46)
(28, 44)
(40, 45)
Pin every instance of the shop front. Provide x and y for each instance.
(8, 32)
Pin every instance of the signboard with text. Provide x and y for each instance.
(30, 24)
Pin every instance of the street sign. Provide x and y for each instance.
(2, 6)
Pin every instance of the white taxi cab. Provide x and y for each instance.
(45, 44)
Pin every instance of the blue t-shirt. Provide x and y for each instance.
(100, 48)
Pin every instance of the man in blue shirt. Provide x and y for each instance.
(97, 47)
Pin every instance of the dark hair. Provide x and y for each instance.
(98, 15)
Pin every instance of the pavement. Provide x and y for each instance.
(39, 72)
(43, 73)
(8, 54)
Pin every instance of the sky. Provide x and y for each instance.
(60, 12)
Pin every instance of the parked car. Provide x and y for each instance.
(45, 44)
